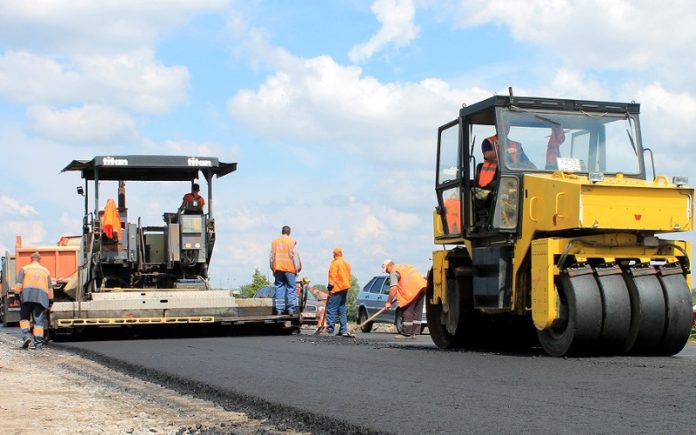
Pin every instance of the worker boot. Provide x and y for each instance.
(26, 341)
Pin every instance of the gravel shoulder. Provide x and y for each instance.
(53, 391)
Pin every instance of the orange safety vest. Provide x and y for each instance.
(111, 220)
(453, 214)
(282, 248)
(410, 284)
(193, 196)
(36, 277)
(487, 174)
(339, 275)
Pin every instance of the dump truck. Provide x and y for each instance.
(552, 232)
(60, 259)
(131, 273)
(9, 301)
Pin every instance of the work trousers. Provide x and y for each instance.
(285, 295)
(337, 304)
(34, 310)
(413, 313)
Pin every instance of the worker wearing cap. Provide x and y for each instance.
(407, 285)
(191, 197)
(339, 284)
(285, 263)
(35, 288)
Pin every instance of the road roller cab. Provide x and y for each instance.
(555, 227)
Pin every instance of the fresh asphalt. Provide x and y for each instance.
(376, 384)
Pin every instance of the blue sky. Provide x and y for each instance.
(330, 108)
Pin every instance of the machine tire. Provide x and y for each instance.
(679, 314)
(581, 304)
(362, 316)
(648, 314)
(616, 305)
(438, 332)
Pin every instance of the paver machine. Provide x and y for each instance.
(558, 232)
(137, 274)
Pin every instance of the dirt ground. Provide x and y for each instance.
(52, 391)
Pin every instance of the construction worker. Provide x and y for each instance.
(111, 221)
(285, 263)
(339, 284)
(193, 200)
(35, 288)
(453, 216)
(407, 285)
(514, 156)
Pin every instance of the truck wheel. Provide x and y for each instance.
(648, 311)
(362, 316)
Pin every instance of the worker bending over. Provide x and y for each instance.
(407, 285)
(35, 288)
(339, 284)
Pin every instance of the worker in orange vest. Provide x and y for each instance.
(339, 284)
(407, 285)
(285, 263)
(193, 200)
(453, 214)
(35, 288)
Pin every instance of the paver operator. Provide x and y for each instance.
(407, 285)
(339, 284)
(193, 198)
(285, 263)
(35, 288)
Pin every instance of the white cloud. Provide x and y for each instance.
(318, 101)
(594, 33)
(397, 28)
(94, 26)
(10, 206)
(18, 219)
(371, 227)
(133, 80)
(81, 125)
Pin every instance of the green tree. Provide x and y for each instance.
(258, 280)
(352, 296)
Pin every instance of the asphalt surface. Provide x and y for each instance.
(377, 384)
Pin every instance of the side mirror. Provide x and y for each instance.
(80, 191)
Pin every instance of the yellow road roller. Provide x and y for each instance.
(549, 215)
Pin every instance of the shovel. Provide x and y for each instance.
(371, 318)
(323, 325)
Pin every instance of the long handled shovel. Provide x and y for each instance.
(371, 318)
(323, 324)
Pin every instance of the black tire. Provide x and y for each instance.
(362, 316)
(616, 305)
(399, 321)
(580, 328)
(648, 314)
(679, 314)
(438, 332)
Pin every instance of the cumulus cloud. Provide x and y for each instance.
(10, 206)
(133, 80)
(19, 219)
(318, 101)
(593, 33)
(397, 28)
(81, 125)
(94, 26)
